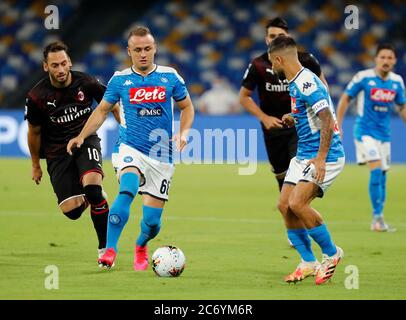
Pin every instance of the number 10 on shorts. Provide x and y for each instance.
(93, 154)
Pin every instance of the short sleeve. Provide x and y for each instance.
(180, 91)
(355, 86)
(313, 93)
(250, 78)
(32, 113)
(112, 93)
(400, 98)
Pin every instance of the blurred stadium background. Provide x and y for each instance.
(219, 225)
(202, 39)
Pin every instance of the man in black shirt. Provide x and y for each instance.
(57, 108)
(280, 142)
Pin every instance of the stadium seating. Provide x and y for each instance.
(209, 38)
(22, 38)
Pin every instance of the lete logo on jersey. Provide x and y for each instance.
(382, 95)
(147, 94)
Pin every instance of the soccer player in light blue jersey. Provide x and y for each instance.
(378, 90)
(318, 161)
(145, 93)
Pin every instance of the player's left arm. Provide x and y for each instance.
(400, 100)
(326, 135)
(402, 112)
(187, 114)
(318, 99)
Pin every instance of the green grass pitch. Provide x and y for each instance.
(227, 225)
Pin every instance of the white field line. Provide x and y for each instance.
(210, 219)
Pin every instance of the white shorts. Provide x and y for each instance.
(114, 162)
(156, 176)
(299, 171)
(370, 149)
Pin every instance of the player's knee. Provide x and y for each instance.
(295, 204)
(129, 183)
(94, 194)
(283, 206)
(74, 214)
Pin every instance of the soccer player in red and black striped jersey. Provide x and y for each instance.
(274, 100)
(57, 108)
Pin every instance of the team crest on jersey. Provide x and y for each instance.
(164, 80)
(147, 95)
(382, 95)
(81, 95)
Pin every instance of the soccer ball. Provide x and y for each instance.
(168, 261)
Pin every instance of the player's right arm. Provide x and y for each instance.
(99, 115)
(402, 112)
(400, 100)
(94, 122)
(352, 90)
(34, 145)
(116, 113)
(249, 104)
(34, 117)
(249, 82)
(341, 110)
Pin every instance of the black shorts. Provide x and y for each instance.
(281, 149)
(66, 173)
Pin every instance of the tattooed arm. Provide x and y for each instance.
(326, 135)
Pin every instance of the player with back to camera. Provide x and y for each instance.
(57, 108)
(145, 163)
(377, 90)
(319, 160)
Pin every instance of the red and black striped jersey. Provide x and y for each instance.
(273, 92)
(61, 112)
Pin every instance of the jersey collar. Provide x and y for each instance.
(153, 70)
(297, 74)
(380, 77)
